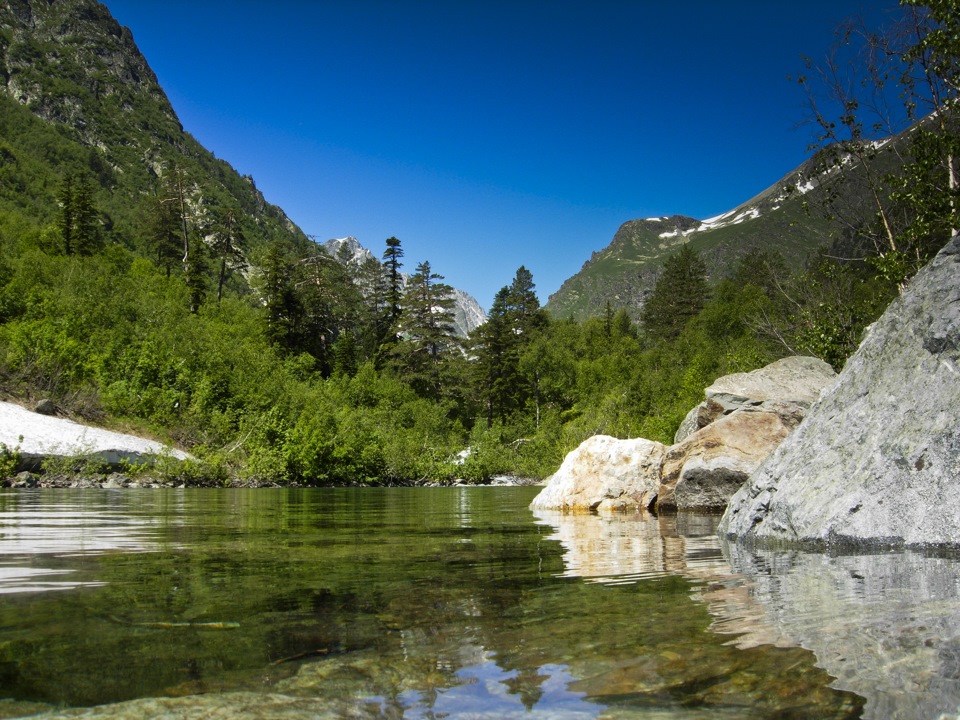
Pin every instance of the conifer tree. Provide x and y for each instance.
(427, 328)
(680, 293)
(227, 243)
(514, 322)
(282, 308)
(164, 233)
(85, 236)
(65, 217)
(392, 264)
(77, 218)
(195, 275)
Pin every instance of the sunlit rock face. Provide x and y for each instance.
(797, 380)
(605, 473)
(877, 459)
(709, 466)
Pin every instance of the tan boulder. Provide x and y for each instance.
(605, 474)
(798, 380)
(707, 468)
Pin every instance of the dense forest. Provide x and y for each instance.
(161, 304)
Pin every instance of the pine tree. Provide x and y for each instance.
(391, 261)
(195, 275)
(77, 218)
(227, 244)
(680, 293)
(65, 217)
(374, 320)
(523, 305)
(514, 322)
(86, 239)
(427, 329)
(282, 308)
(164, 233)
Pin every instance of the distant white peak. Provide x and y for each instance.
(356, 252)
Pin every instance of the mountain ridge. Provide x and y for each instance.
(77, 70)
(789, 217)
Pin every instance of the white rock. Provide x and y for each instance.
(605, 473)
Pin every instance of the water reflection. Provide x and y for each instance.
(34, 532)
(885, 626)
(629, 548)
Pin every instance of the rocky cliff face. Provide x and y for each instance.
(877, 459)
(74, 67)
(72, 63)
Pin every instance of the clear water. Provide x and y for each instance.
(453, 603)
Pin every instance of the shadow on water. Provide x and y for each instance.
(458, 603)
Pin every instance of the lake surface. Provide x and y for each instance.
(449, 603)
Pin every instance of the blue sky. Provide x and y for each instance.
(492, 134)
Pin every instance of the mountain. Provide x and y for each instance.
(78, 97)
(467, 313)
(789, 218)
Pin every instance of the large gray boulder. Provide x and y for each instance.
(604, 473)
(798, 380)
(877, 459)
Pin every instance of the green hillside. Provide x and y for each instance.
(794, 217)
(80, 99)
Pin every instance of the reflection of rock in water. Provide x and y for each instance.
(620, 549)
(608, 548)
(887, 626)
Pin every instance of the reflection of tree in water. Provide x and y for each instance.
(415, 600)
(526, 684)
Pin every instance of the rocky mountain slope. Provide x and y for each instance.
(789, 217)
(77, 96)
(467, 313)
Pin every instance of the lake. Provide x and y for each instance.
(449, 603)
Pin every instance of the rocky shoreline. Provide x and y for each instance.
(869, 459)
(742, 419)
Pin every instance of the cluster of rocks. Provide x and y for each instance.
(874, 462)
(722, 441)
(110, 481)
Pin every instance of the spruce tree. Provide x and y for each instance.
(227, 244)
(77, 217)
(195, 272)
(680, 293)
(65, 216)
(85, 236)
(427, 329)
(282, 308)
(391, 261)
(514, 322)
